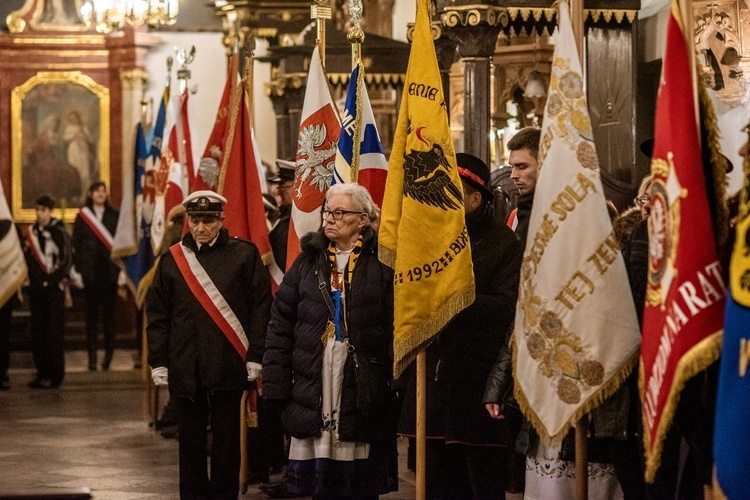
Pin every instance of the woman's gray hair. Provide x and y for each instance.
(360, 196)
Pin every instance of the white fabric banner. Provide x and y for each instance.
(12, 263)
(316, 153)
(576, 333)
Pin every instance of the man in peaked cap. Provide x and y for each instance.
(284, 188)
(208, 309)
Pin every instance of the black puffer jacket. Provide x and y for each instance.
(182, 336)
(293, 359)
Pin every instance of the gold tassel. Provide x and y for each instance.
(329, 333)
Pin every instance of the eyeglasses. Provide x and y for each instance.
(284, 187)
(642, 199)
(339, 214)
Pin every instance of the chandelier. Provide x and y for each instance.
(107, 16)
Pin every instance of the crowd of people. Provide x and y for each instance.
(322, 347)
(56, 261)
(330, 334)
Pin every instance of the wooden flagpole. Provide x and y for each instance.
(421, 424)
(356, 37)
(581, 432)
(248, 46)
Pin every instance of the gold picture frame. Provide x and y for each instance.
(60, 141)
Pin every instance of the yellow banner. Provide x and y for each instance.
(423, 236)
(739, 268)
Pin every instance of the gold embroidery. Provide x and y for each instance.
(329, 333)
(558, 350)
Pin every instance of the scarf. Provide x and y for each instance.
(338, 294)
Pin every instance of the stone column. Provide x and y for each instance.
(475, 28)
(287, 95)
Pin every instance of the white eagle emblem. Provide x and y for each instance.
(313, 163)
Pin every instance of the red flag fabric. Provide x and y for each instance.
(684, 308)
(238, 181)
(184, 144)
(207, 176)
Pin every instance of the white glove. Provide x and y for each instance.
(75, 278)
(160, 375)
(253, 370)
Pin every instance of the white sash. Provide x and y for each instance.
(101, 232)
(43, 260)
(204, 289)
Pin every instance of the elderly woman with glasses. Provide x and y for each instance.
(328, 363)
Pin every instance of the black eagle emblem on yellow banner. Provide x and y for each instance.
(426, 182)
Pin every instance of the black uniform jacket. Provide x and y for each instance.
(38, 277)
(181, 334)
(91, 258)
(293, 360)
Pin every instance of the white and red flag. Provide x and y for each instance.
(171, 181)
(209, 167)
(13, 269)
(316, 153)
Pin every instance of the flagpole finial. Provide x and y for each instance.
(170, 62)
(356, 37)
(320, 12)
(355, 13)
(184, 58)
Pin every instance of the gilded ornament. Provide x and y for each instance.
(592, 372)
(586, 154)
(568, 391)
(551, 324)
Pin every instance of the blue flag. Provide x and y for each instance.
(360, 152)
(732, 432)
(132, 240)
(138, 264)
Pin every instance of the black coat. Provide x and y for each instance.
(182, 336)
(91, 258)
(469, 344)
(524, 205)
(278, 237)
(459, 362)
(292, 363)
(62, 261)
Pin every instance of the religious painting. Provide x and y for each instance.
(722, 56)
(60, 141)
(50, 15)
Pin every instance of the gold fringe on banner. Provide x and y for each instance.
(420, 337)
(593, 401)
(697, 359)
(717, 180)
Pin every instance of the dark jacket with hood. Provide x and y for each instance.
(292, 363)
(182, 336)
